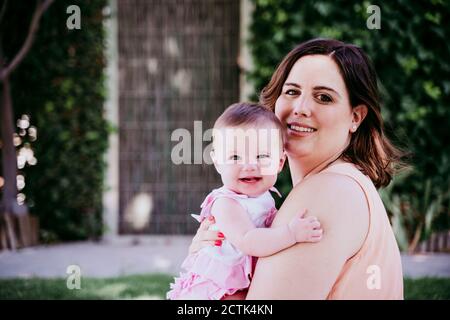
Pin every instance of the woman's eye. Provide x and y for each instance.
(235, 157)
(263, 156)
(291, 92)
(324, 98)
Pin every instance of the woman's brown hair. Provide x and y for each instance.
(369, 148)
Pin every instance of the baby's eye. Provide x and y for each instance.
(324, 98)
(262, 156)
(235, 157)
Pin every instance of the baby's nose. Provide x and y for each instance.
(250, 167)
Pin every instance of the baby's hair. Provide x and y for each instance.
(248, 114)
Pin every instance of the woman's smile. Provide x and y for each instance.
(300, 130)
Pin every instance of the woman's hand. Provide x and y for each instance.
(204, 237)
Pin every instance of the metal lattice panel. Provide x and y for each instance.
(177, 64)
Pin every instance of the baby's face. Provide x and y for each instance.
(248, 159)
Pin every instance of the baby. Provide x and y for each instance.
(248, 154)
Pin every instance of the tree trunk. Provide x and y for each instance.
(9, 160)
(9, 208)
(9, 164)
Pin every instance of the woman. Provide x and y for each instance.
(325, 93)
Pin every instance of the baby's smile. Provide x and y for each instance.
(250, 179)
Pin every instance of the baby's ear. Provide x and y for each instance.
(282, 161)
(213, 156)
(214, 159)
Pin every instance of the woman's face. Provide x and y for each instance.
(315, 108)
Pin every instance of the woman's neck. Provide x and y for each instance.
(301, 168)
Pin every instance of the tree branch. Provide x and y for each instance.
(41, 7)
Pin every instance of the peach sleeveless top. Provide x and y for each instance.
(375, 271)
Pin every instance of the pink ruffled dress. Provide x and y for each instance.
(213, 272)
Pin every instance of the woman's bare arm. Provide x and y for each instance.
(305, 270)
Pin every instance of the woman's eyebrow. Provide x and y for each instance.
(327, 89)
(292, 84)
(315, 88)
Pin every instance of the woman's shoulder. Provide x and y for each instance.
(335, 198)
(341, 179)
(329, 192)
(343, 176)
(340, 204)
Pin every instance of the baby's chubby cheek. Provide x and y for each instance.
(269, 180)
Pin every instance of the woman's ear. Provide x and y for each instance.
(359, 113)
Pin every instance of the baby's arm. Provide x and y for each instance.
(233, 221)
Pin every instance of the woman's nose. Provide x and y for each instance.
(302, 107)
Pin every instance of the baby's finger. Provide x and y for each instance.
(311, 219)
(302, 213)
(315, 225)
(317, 233)
(315, 239)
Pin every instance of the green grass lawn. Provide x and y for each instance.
(128, 287)
(156, 285)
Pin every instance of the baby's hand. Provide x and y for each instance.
(305, 229)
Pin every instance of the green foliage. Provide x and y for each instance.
(410, 55)
(413, 217)
(60, 84)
